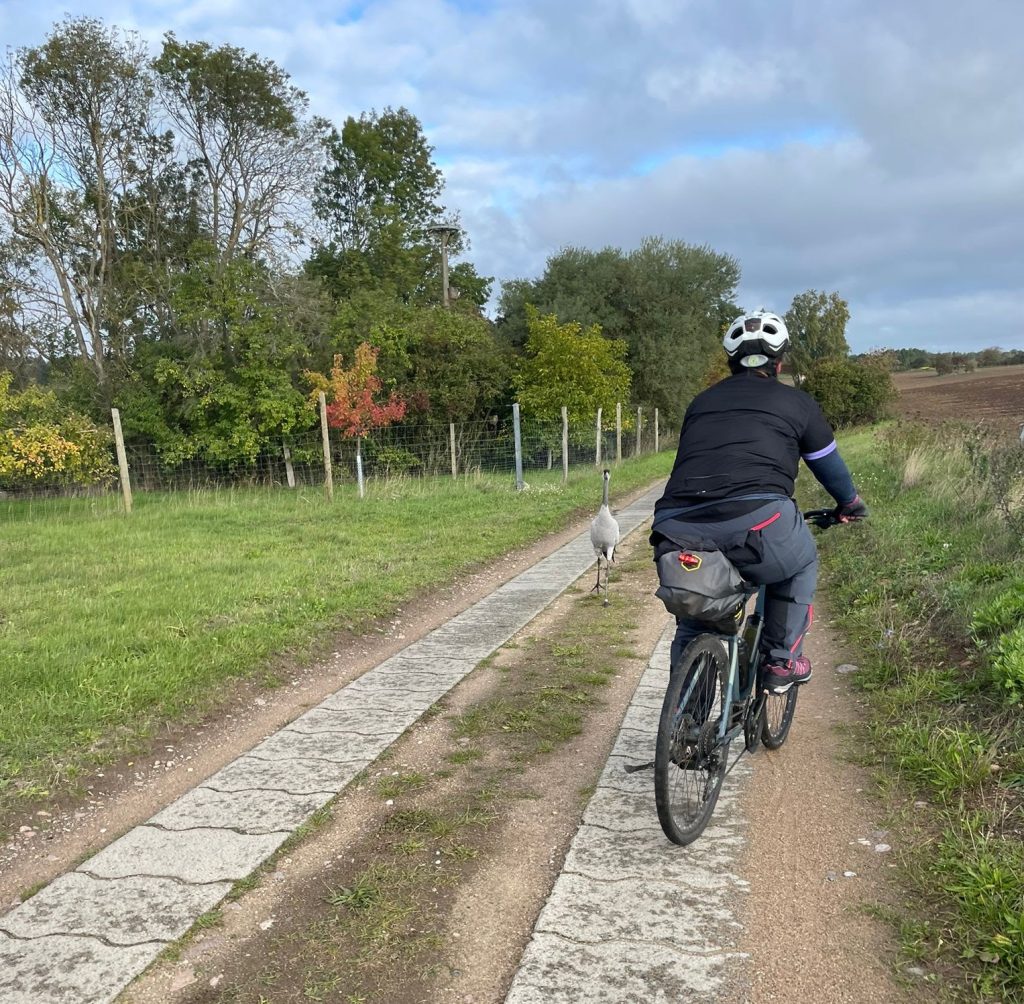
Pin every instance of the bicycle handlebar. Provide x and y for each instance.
(821, 518)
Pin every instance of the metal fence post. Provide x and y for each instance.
(656, 430)
(359, 467)
(328, 478)
(636, 452)
(597, 452)
(451, 440)
(565, 444)
(618, 432)
(519, 447)
(122, 461)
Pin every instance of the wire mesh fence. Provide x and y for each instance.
(419, 450)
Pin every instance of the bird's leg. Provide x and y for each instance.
(607, 572)
(597, 588)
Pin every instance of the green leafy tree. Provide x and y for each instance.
(667, 300)
(459, 370)
(224, 387)
(571, 366)
(817, 330)
(378, 194)
(74, 126)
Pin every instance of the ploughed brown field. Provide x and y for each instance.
(994, 396)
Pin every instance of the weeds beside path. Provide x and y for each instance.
(109, 626)
(931, 592)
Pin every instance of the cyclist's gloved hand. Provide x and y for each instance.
(847, 512)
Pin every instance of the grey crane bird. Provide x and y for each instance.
(604, 535)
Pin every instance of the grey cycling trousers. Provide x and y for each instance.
(779, 552)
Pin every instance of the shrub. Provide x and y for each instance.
(851, 393)
(41, 447)
(393, 461)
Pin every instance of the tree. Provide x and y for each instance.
(572, 366)
(667, 300)
(222, 386)
(42, 445)
(458, 369)
(377, 195)
(817, 329)
(244, 127)
(352, 404)
(851, 393)
(74, 120)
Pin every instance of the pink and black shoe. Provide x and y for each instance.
(779, 677)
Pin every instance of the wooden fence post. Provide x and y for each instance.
(597, 452)
(122, 461)
(328, 478)
(288, 469)
(618, 432)
(636, 452)
(451, 440)
(565, 444)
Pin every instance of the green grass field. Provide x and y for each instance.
(111, 625)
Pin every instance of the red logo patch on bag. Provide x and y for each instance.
(690, 562)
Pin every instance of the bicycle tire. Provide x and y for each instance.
(777, 717)
(689, 762)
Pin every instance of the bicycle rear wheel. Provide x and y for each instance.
(778, 717)
(689, 760)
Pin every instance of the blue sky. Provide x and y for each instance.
(863, 146)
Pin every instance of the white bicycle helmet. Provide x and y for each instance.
(754, 339)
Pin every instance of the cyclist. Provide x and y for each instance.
(731, 487)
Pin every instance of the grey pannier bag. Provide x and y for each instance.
(703, 586)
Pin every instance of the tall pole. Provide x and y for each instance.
(444, 269)
(618, 432)
(565, 444)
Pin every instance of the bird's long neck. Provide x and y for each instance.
(604, 493)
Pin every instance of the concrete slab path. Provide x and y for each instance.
(85, 936)
(632, 917)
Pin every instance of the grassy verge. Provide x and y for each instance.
(110, 626)
(931, 591)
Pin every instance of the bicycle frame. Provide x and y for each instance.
(737, 693)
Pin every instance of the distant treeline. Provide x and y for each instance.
(901, 360)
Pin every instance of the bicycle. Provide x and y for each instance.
(692, 754)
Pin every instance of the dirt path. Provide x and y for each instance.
(818, 857)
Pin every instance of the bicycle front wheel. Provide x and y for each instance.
(689, 760)
(778, 717)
